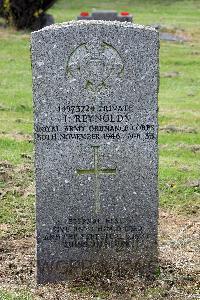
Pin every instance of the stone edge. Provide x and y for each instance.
(94, 22)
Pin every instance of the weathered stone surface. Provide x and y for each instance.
(95, 89)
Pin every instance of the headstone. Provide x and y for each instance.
(106, 15)
(95, 88)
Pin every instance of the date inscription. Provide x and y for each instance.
(100, 122)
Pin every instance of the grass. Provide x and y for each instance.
(15, 296)
(179, 115)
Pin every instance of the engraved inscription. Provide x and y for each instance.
(97, 171)
(96, 122)
(97, 64)
(81, 232)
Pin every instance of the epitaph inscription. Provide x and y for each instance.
(95, 90)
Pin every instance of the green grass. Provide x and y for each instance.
(15, 296)
(179, 121)
(178, 105)
(176, 13)
(14, 151)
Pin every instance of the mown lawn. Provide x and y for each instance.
(179, 112)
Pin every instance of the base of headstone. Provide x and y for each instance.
(58, 271)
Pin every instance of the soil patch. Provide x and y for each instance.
(178, 278)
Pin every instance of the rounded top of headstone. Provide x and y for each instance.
(89, 23)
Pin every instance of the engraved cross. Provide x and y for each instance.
(97, 172)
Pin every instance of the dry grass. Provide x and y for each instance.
(177, 278)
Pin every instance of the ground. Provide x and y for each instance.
(177, 277)
(179, 149)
